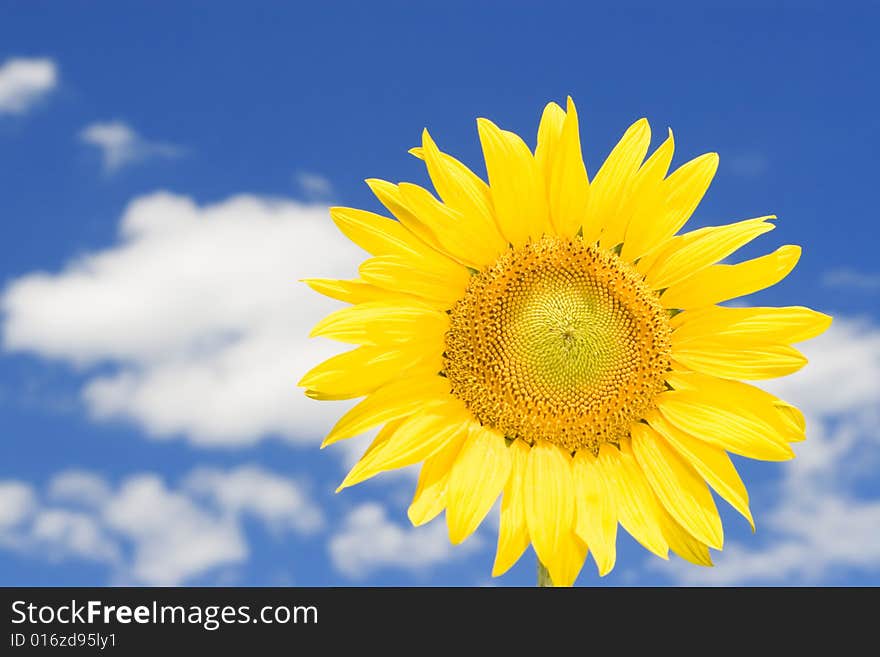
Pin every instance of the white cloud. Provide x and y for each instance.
(199, 314)
(146, 531)
(273, 499)
(850, 279)
(843, 375)
(24, 82)
(78, 487)
(368, 541)
(16, 503)
(819, 536)
(121, 146)
(71, 534)
(821, 523)
(313, 185)
(173, 537)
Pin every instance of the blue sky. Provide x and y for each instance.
(166, 170)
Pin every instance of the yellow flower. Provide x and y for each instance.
(551, 339)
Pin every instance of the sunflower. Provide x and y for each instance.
(556, 341)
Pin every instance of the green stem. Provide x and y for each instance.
(543, 575)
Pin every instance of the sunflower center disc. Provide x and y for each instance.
(558, 340)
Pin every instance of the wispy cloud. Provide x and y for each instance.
(147, 532)
(199, 314)
(368, 541)
(851, 279)
(18, 501)
(277, 501)
(121, 146)
(313, 186)
(24, 82)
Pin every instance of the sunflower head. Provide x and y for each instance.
(558, 341)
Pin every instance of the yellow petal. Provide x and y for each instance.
(683, 191)
(785, 420)
(637, 506)
(566, 565)
(749, 325)
(378, 235)
(312, 393)
(614, 179)
(722, 282)
(518, 190)
(380, 322)
(381, 438)
(394, 400)
(354, 291)
(381, 236)
(513, 533)
(429, 499)
(691, 252)
(686, 187)
(569, 187)
(721, 423)
(549, 132)
(645, 200)
(397, 274)
(464, 239)
(550, 503)
(463, 191)
(793, 419)
(417, 438)
(731, 360)
(648, 260)
(596, 511)
(477, 479)
(391, 197)
(712, 464)
(459, 186)
(682, 543)
(678, 486)
(360, 371)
